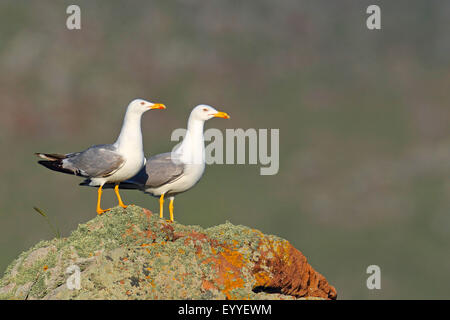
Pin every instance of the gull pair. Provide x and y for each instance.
(171, 173)
(166, 174)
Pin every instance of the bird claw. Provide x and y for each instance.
(101, 211)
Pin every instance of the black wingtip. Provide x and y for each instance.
(85, 182)
(55, 165)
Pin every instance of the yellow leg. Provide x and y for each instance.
(161, 206)
(99, 199)
(116, 190)
(171, 209)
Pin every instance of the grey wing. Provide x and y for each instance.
(158, 170)
(97, 161)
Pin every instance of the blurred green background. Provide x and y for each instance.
(363, 118)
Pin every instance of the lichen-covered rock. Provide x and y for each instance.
(132, 254)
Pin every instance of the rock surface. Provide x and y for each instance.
(132, 254)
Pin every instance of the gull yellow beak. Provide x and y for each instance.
(158, 106)
(221, 114)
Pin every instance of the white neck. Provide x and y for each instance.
(192, 148)
(130, 137)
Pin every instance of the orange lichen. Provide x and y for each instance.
(228, 264)
(233, 257)
(262, 279)
(207, 285)
(230, 282)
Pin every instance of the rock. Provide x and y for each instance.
(132, 254)
(37, 254)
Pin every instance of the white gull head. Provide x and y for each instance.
(203, 112)
(139, 106)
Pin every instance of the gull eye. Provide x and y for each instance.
(204, 109)
(142, 103)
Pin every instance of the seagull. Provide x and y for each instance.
(171, 173)
(108, 163)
